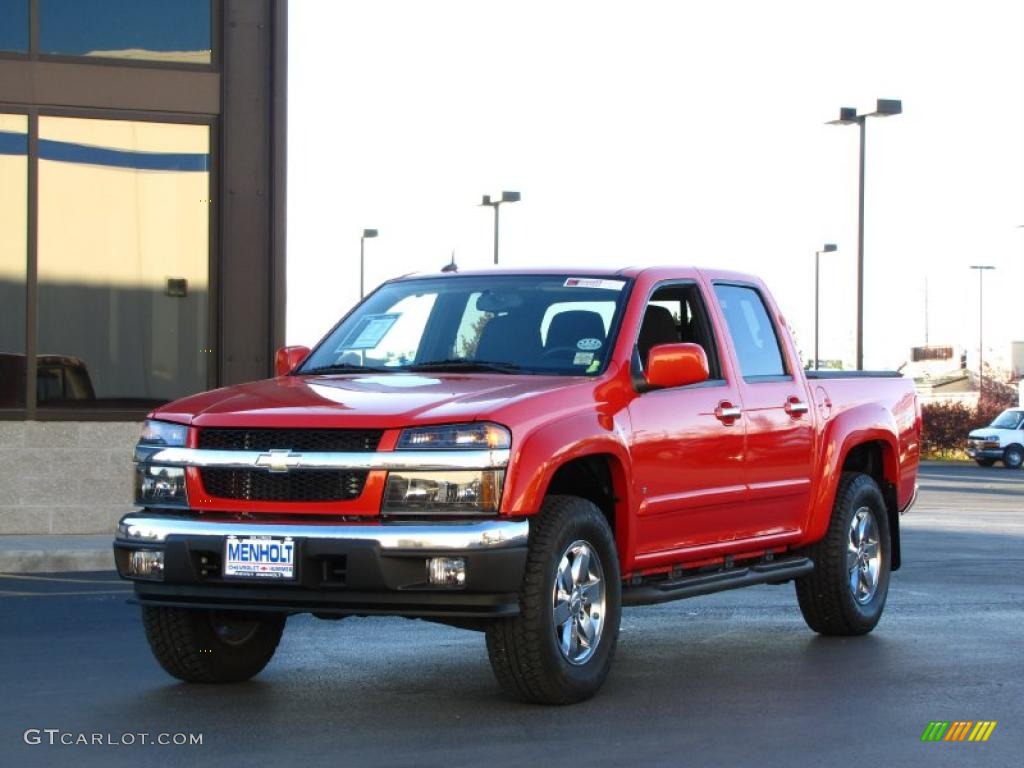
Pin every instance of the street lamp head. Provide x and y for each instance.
(506, 197)
(847, 116)
(830, 248)
(368, 233)
(887, 108)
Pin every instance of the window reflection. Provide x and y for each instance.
(151, 30)
(14, 25)
(123, 262)
(13, 233)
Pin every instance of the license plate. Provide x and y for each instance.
(259, 557)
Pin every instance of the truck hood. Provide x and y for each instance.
(380, 401)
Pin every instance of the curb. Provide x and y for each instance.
(35, 554)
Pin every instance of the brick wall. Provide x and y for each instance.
(65, 477)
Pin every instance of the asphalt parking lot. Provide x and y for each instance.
(730, 679)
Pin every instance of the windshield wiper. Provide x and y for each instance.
(342, 368)
(462, 364)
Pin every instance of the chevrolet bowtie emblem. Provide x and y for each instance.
(279, 459)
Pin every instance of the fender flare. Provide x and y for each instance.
(549, 447)
(866, 423)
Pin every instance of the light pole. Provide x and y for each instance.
(506, 197)
(367, 233)
(828, 248)
(982, 268)
(849, 116)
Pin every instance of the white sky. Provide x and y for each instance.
(649, 132)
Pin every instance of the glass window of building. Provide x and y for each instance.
(13, 257)
(147, 30)
(14, 25)
(123, 262)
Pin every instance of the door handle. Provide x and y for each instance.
(796, 407)
(727, 413)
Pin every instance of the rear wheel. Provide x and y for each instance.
(559, 649)
(1013, 457)
(846, 591)
(201, 646)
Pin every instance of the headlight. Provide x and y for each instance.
(480, 435)
(157, 486)
(163, 433)
(465, 492)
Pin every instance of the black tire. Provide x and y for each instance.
(1013, 456)
(826, 596)
(525, 655)
(200, 646)
(985, 462)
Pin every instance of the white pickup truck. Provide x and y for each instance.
(1002, 440)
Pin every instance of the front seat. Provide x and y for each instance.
(569, 328)
(504, 339)
(658, 327)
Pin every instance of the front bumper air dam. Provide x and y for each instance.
(343, 569)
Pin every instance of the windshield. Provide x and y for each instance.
(530, 324)
(1008, 420)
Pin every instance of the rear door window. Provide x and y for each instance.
(753, 334)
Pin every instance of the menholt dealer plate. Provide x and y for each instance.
(259, 557)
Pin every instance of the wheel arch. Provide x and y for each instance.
(576, 457)
(865, 440)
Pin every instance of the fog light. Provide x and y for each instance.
(447, 571)
(146, 564)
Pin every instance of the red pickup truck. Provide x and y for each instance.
(522, 453)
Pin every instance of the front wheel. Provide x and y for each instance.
(202, 646)
(985, 462)
(558, 650)
(846, 591)
(1013, 457)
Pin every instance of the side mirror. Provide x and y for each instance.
(288, 359)
(676, 365)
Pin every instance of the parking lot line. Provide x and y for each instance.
(29, 577)
(13, 593)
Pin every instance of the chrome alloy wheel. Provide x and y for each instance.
(578, 603)
(863, 555)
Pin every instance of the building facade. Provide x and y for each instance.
(142, 209)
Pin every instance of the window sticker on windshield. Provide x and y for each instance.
(369, 332)
(593, 282)
(588, 345)
(583, 358)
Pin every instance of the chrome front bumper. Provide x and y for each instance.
(352, 568)
(142, 528)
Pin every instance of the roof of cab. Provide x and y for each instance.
(658, 272)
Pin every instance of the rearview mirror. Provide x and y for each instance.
(288, 359)
(676, 365)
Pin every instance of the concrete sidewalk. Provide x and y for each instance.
(51, 554)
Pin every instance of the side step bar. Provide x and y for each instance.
(717, 581)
